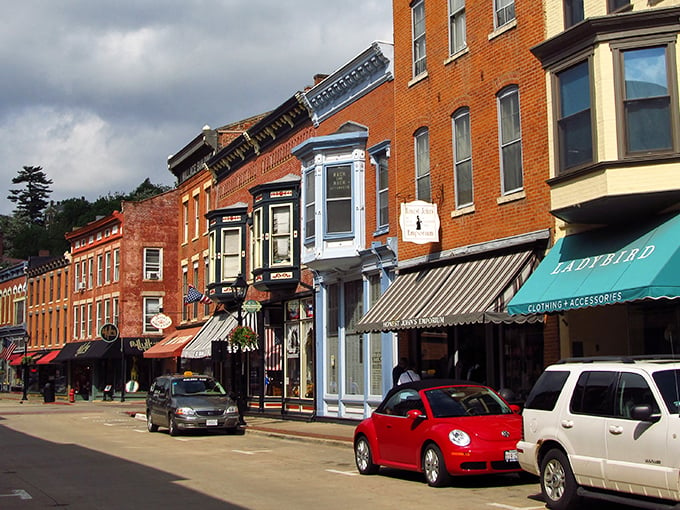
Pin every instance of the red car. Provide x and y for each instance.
(442, 428)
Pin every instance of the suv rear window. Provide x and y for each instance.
(593, 394)
(546, 391)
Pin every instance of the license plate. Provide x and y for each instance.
(213, 423)
(510, 455)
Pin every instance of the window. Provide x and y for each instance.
(100, 317)
(76, 322)
(456, 26)
(281, 235)
(89, 320)
(504, 12)
(83, 321)
(152, 306)
(116, 310)
(310, 204)
(90, 272)
(185, 288)
(51, 288)
(116, 264)
(257, 236)
(206, 263)
(354, 342)
(422, 161)
(107, 266)
(646, 104)
(593, 394)
(616, 5)
(574, 125)
(573, 12)
(185, 221)
(338, 215)
(107, 311)
(547, 390)
(462, 156)
(382, 189)
(206, 193)
(100, 269)
(197, 216)
(332, 310)
(196, 303)
(231, 253)
(510, 140)
(632, 390)
(418, 21)
(153, 263)
(375, 340)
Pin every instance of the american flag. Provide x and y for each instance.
(194, 295)
(7, 351)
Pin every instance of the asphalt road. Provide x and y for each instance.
(96, 456)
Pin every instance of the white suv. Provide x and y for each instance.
(605, 428)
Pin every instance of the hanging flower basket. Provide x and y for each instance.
(242, 338)
(27, 360)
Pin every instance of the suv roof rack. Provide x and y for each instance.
(621, 359)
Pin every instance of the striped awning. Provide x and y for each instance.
(172, 345)
(216, 329)
(472, 291)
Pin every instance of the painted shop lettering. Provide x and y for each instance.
(621, 257)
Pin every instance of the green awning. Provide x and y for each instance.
(605, 266)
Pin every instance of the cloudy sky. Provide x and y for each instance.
(99, 94)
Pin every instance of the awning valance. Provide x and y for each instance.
(467, 292)
(48, 358)
(172, 345)
(94, 349)
(605, 266)
(217, 328)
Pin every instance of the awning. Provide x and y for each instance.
(217, 328)
(15, 359)
(605, 266)
(94, 349)
(467, 292)
(48, 358)
(172, 345)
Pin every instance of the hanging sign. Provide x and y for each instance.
(161, 321)
(109, 332)
(419, 222)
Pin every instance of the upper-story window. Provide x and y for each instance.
(197, 216)
(380, 156)
(257, 239)
(185, 221)
(418, 27)
(116, 264)
(153, 263)
(647, 104)
(510, 140)
(422, 164)
(281, 234)
(574, 119)
(617, 5)
(226, 246)
(206, 194)
(152, 306)
(338, 190)
(100, 269)
(462, 156)
(107, 266)
(504, 12)
(457, 39)
(231, 253)
(310, 203)
(573, 12)
(90, 272)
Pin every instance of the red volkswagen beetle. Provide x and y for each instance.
(442, 428)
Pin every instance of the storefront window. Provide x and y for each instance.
(299, 349)
(375, 340)
(273, 361)
(332, 340)
(354, 342)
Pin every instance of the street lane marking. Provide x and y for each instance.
(17, 493)
(346, 473)
(510, 507)
(250, 452)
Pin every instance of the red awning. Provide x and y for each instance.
(47, 358)
(171, 346)
(15, 359)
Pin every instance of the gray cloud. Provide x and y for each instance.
(100, 94)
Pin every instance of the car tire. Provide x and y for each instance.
(150, 426)
(434, 467)
(363, 457)
(558, 484)
(172, 426)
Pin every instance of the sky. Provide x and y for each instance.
(100, 94)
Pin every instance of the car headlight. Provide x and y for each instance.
(459, 438)
(185, 411)
(232, 409)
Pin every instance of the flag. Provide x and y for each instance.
(194, 295)
(7, 351)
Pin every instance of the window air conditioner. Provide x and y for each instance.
(153, 275)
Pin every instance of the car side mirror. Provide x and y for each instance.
(644, 413)
(515, 409)
(416, 414)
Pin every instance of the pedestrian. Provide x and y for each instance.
(409, 375)
(399, 369)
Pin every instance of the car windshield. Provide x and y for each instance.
(668, 382)
(197, 387)
(465, 401)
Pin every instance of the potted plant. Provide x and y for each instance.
(242, 338)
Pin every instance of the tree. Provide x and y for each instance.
(32, 199)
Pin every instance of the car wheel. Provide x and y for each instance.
(149, 423)
(558, 484)
(434, 467)
(364, 458)
(172, 426)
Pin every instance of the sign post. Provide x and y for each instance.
(109, 333)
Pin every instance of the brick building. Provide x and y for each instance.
(13, 333)
(467, 175)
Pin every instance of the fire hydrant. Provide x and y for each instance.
(72, 395)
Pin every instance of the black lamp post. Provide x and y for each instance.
(239, 288)
(26, 365)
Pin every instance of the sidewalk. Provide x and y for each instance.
(339, 434)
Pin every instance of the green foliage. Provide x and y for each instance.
(31, 199)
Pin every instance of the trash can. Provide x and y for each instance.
(48, 393)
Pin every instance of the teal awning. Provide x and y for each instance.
(605, 266)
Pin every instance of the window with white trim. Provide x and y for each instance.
(281, 235)
(197, 216)
(418, 28)
(257, 237)
(382, 191)
(310, 203)
(574, 118)
(185, 221)
(153, 263)
(338, 204)
(152, 306)
(231, 253)
(116, 264)
(422, 164)
(510, 135)
(462, 156)
(504, 12)
(457, 35)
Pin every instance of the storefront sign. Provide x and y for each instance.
(161, 321)
(416, 322)
(419, 222)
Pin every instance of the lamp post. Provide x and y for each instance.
(239, 288)
(25, 364)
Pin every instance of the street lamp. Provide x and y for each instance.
(239, 289)
(26, 365)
